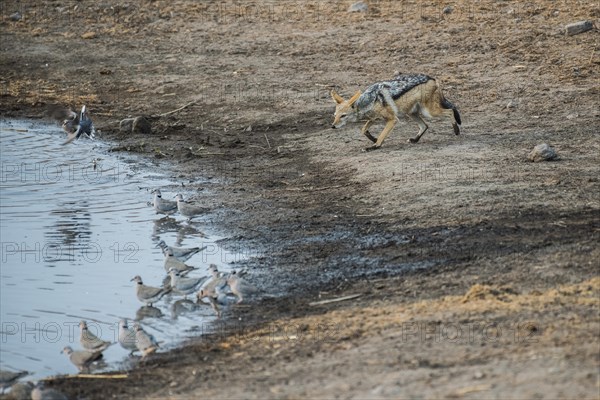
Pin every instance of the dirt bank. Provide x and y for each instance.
(476, 271)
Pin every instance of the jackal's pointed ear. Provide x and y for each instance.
(354, 98)
(338, 99)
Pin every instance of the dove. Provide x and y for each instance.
(76, 125)
(162, 206)
(187, 209)
(217, 283)
(172, 262)
(82, 359)
(239, 286)
(181, 253)
(145, 342)
(219, 297)
(215, 290)
(89, 341)
(148, 294)
(126, 337)
(183, 285)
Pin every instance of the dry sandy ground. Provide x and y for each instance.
(475, 271)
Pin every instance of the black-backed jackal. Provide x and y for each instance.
(414, 95)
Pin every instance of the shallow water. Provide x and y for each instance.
(75, 227)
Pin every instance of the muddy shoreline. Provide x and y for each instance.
(475, 271)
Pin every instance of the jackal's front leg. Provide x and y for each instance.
(365, 131)
(386, 130)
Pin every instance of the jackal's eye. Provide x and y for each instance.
(343, 115)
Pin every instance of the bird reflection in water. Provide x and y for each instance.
(147, 312)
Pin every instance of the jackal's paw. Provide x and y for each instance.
(413, 140)
(370, 137)
(371, 148)
(456, 129)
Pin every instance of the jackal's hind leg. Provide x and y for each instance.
(422, 127)
(453, 114)
(365, 131)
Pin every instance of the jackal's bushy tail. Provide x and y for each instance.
(446, 104)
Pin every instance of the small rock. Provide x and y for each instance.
(359, 6)
(512, 104)
(578, 27)
(16, 16)
(141, 125)
(542, 152)
(88, 35)
(478, 375)
(126, 125)
(448, 10)
(552, 182)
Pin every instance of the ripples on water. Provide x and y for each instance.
(75, 228)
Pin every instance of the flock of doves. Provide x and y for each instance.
(220, 289)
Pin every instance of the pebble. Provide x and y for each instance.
(359, 6)
(136, 125)
(578, 27)
(141, 125)
(126, 125)
(542, 152)
(88, 35)
(16, 16)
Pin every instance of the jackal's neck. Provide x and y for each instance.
(364, 105)
(359, 112)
